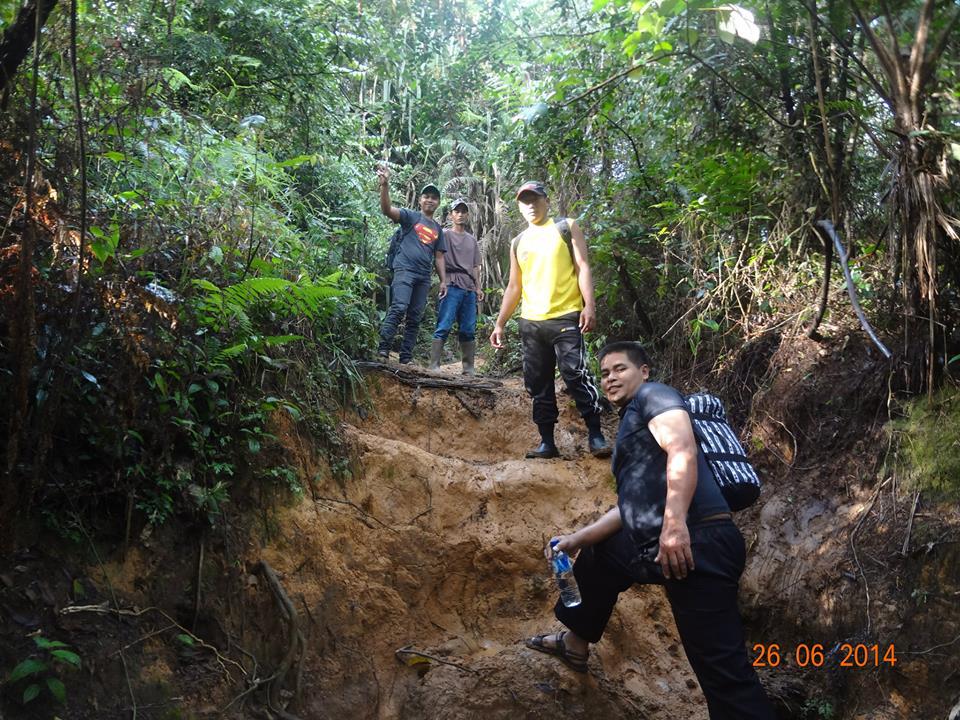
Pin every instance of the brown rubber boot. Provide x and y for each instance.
(436, 352)
(468, 351)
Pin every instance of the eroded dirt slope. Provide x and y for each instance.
(434, 542)
(429, 542)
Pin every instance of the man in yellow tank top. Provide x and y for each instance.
(550, 273)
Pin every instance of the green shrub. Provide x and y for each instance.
(929, 442)
(41, 670)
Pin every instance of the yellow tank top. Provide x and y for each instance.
(548, 275)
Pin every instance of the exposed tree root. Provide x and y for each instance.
(415, 378)
(853, 547)
(105, 609)
(906, 540)
(297, 645)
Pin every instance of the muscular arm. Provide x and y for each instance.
(584, 277)
(511, 298)
(673, 432)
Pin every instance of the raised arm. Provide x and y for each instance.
(383, 173)
(588, 316)
(674, 433)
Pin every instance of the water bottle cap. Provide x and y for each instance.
(553, 543)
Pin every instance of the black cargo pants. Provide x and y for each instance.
(704, 607)
(547, 344)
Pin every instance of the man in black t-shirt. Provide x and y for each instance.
(671, 527)
(421, 246)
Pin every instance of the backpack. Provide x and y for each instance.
(563, 227)
(393, 247)
(726, 457)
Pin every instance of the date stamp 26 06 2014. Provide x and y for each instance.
(814, 655)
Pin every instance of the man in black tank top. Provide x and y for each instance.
(671, 527)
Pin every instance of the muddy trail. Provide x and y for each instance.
(424, 561)
(430, 570)
(414, 571)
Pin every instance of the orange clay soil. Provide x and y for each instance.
(430, 543)
(434, 543)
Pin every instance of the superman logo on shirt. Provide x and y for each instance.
(427, 235)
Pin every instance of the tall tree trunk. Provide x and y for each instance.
(18, 38)
(920, 217)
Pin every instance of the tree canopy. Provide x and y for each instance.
(192, 211)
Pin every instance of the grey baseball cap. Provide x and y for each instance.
(458, 202)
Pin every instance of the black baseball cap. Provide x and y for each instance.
(458, 202)
(430, 189)
(534, 186)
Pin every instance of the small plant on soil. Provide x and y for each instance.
(818, 709)
(40, 672)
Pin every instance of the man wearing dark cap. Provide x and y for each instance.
(549, 271)
(462, 263)
(421, 247)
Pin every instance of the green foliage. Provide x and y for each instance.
(104, 246)
(37, 673)
(233, 304)
(697, 327)
(818, 709)
(225, 296)
(235, 232)
(928, 443)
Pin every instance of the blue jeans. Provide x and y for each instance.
(459, 305)
(409, 292)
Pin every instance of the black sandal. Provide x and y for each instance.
(573, 660)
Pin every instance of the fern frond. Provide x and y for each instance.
(253, 290)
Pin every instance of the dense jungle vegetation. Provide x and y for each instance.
(191, 241)
(191, 247)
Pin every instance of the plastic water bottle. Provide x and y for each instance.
(562, 569)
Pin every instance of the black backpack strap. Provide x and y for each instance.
(394, 246)
(563, 227)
